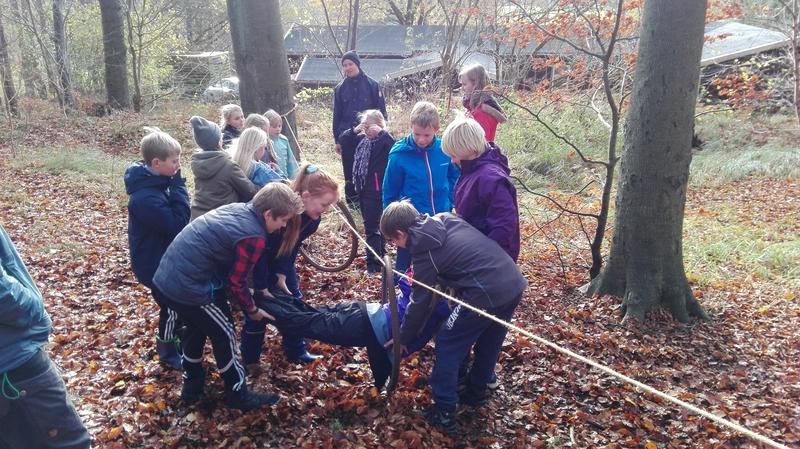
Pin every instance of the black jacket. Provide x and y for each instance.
(378, 158)
(447, 251)
(354, 95)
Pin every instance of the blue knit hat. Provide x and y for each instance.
(206, 134)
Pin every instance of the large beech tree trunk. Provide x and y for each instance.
(114, 50)
(264, 81)
(9, 92)
(62, 63)
(645, 266)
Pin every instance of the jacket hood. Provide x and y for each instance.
(408, 145)
(427, 234)
(138, 177)
(207, 164)
(492, 156)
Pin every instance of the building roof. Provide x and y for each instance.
(730, 40)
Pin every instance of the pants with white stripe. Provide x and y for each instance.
(213, 321)
(168, 320)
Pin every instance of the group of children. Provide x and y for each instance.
(242, 222)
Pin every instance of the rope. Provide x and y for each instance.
(586, 360)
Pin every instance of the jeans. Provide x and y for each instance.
(36, 411)
(461, 330)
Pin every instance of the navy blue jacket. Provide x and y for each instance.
(354, 95)
(158, 208)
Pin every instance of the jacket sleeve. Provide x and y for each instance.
(337, 113)
(422, 300)
(453, 174)
(502, 216)
(243, 186)
(383, 156)
(163, 215)
(20, 300)
(380, 101)
(392, 181)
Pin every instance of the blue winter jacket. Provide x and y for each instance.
(24, 324)
(424, 175)
(262, 174)
(158, 208)
(200, 259)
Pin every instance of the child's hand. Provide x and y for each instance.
(259, 315)
(358, 128)
(281, 284)
(403, 349)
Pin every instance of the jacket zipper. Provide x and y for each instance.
(430, 182)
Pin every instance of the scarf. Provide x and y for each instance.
(361, 163)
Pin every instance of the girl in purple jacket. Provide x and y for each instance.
(484, 194)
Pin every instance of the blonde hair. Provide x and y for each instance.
(226, 111)
(256, 120)
(157, 144)
(464, 138)
(372, 115)
(244, 148)
(425, 114)
(315, 181)
(398, 217)
(279, 199)
(273, 117)
(480, 78)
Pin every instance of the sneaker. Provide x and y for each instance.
(472, 397)
(443, 419)
(249, 400)
(493, 383)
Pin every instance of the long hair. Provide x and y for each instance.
(244, 148)
(316, 182)
(478, 75)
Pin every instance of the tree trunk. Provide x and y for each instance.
(9, 92)
(114, 52)
(46, 56)
(135, 51)
(62, 64)
(31, 76)
(261, 62)
(645, 266)
(795, 47)
(353, 31)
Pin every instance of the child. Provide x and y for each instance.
(215, 252)
(353, 324)
(35, 408)
(231, 121)
(418, 170)
(248, 150)
(158, 209)
(277, 269)
(484, 194)
(283, 152)
(217, 179)
(478, 101)
(447, 251)
(372, 144)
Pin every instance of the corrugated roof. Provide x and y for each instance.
(733, 40)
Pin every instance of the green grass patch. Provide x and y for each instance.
(716, 251)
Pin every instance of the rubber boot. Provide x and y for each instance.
(169, 352)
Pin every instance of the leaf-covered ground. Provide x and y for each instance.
(743, 364)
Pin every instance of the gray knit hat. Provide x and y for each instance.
(206, 134)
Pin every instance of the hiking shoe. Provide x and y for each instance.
(472, 397)
(493, 383)
(249, 400)
(443, 419)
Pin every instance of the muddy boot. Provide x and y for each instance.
(245, 399)
(169, 352)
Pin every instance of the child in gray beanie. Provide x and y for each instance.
(217, 179)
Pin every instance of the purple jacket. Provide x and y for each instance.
(486, 199)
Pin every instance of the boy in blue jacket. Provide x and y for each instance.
(34, 407)
(158, 209)
(418, 170)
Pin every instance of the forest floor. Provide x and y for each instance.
(63, 203)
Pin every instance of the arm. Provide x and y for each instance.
(243, 186)
(392, 182)
(502, 216)
(20, 300)
(453, 174)
(419, 307)
(337, 113)
(248, 251)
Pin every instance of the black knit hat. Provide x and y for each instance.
(353, 56)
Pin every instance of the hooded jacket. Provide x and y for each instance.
(486, 199)
(218, 181)
(378, 159)
(424, 175)
(24, 324)
(447, 251)
(158, 208)
(354, 95)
